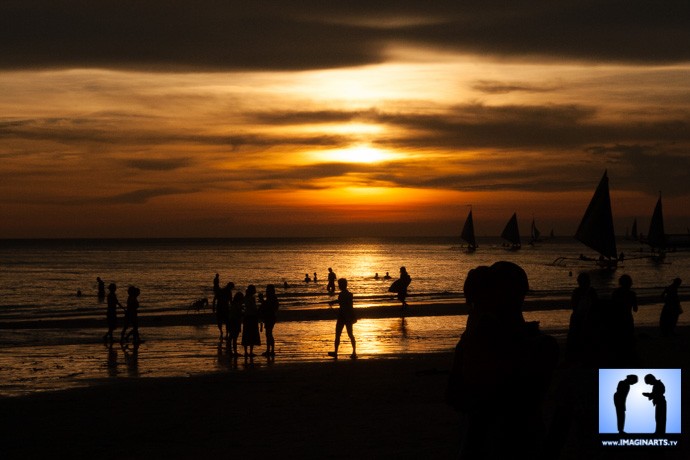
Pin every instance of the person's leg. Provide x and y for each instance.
(338, 331)
(352, 340)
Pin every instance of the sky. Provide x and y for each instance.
(124, 118)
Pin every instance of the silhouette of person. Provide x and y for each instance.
(671, 309)
(131, 316)
(250, 322)
(235, 321)
(405, 283)
(346, 318)
(619, 398)
(376, 276)
(502, 368)
(222, 308)
(101, 289)
(306, 278)
(330, 286)
(582, 331)
(216, 288)
(659, 400)
(387, 276)
(111, 312)
(267, 314)
(315, 279)
(622, 323)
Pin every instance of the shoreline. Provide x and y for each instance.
(389, 310)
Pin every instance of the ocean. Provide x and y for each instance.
(39, 281)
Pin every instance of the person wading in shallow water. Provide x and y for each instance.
(346, 318)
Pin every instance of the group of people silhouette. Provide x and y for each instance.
(240, 313)
(130, 327)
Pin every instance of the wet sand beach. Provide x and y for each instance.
(387, 406)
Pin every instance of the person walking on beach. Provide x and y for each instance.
(346, 318)
(250, 322)
(131, 316)
(222, 308)
(671, 309)
(101, 289)
(267, 314)
(659, 400)
(235, 321)
(111, 312)
(330, 286)
(502, 369)
(619, 399)
(583, 328)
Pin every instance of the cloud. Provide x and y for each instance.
(497, 87)
(134, 197)
(262, 35)
(158, 164)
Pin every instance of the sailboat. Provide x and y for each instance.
(511, 233)
(596, 228)
(535, 234)
(633, 233)
(656, 237)
(468, 233)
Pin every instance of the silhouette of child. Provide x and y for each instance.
(583, 329)
(111, 312)
(250, 322)
(131, 316)
(502, 368)
(346, 318)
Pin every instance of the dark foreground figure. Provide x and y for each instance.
(502, 368)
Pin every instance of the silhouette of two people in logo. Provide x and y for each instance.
(619, 399)
(656, 396)
(502, 368)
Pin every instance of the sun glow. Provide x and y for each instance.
(356, 154)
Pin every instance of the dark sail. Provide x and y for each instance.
(468, 232)
(596, 228)
(633, 233)
(535, 233)
(656, 237)
(511, 232)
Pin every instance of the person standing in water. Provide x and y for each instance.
(346, 318)
(101, 289)
(111, 312)
(250, 322)
(330, 287)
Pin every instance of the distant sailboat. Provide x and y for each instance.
(535, 234)
(468, 233)
(511, 233)
(596, 228)
(656, 237)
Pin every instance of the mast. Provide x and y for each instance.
(596, 228)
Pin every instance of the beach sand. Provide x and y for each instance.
(369, 408)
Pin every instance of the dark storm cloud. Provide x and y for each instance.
(264, 35)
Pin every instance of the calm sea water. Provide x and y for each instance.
(39, 280)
